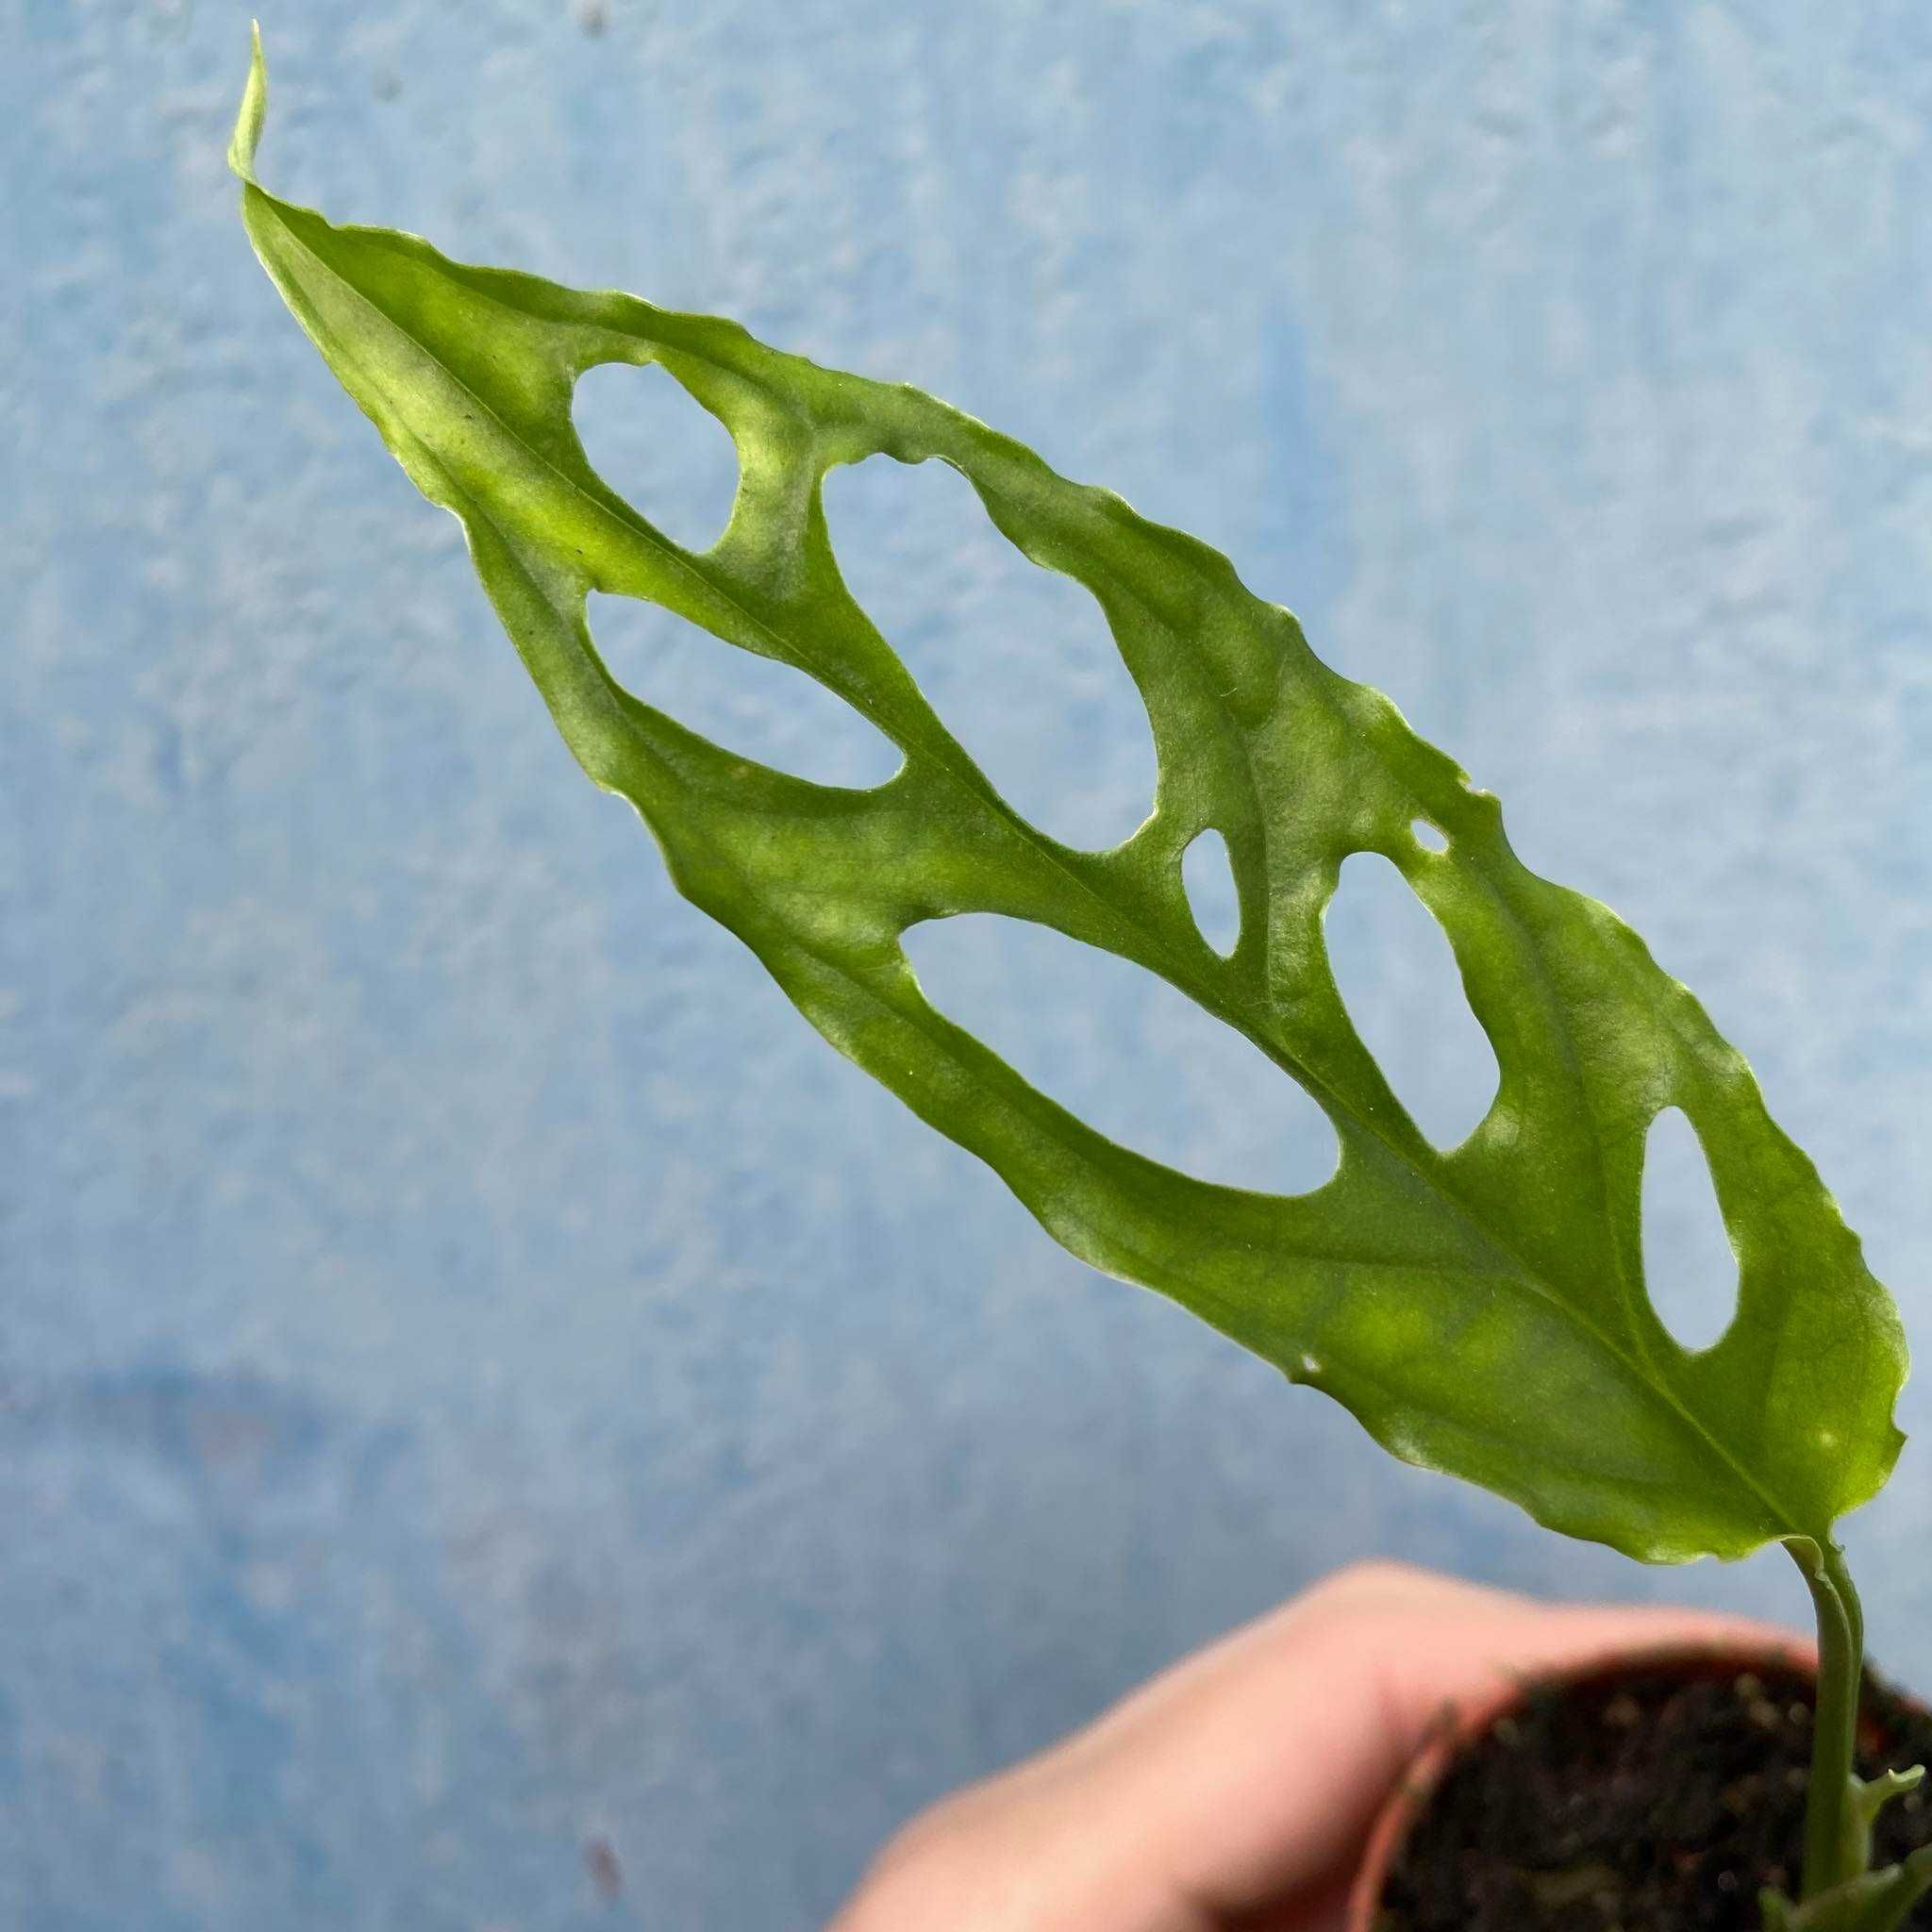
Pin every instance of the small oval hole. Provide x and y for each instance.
(1130, 1053)
(1017, 660)
(1690, 1271)
(1430, 837)
(750, 705)
(667, 456)
(1207, 878)
(1399, 980)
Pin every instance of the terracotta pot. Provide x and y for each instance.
(1462, 1725)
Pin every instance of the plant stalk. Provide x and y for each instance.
(1831, 1844)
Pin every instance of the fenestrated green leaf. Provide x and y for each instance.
(1481, 1311)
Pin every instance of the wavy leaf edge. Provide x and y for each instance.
(1480, 1311)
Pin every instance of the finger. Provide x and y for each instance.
(1233, 1792)
(1250, 1773)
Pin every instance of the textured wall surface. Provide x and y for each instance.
(499, 1426)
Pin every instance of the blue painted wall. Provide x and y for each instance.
(479, 1381)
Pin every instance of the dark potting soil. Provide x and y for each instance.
(1646, 1801)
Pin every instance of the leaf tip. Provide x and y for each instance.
(247, 135)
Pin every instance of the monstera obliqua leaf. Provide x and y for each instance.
(1481, 1311)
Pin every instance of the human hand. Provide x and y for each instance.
(1233, 1792)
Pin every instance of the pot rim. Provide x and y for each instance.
(1461, 1722)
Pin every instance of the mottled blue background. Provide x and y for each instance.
(479, 1380)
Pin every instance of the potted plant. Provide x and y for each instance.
(1479, 1308)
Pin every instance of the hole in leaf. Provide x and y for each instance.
(1017, 660)
(753, 706)
(1689, 1269)
(1430, 837)
(1207, 876)
(668, 456)
(1134, 1058)
(1398, 976)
